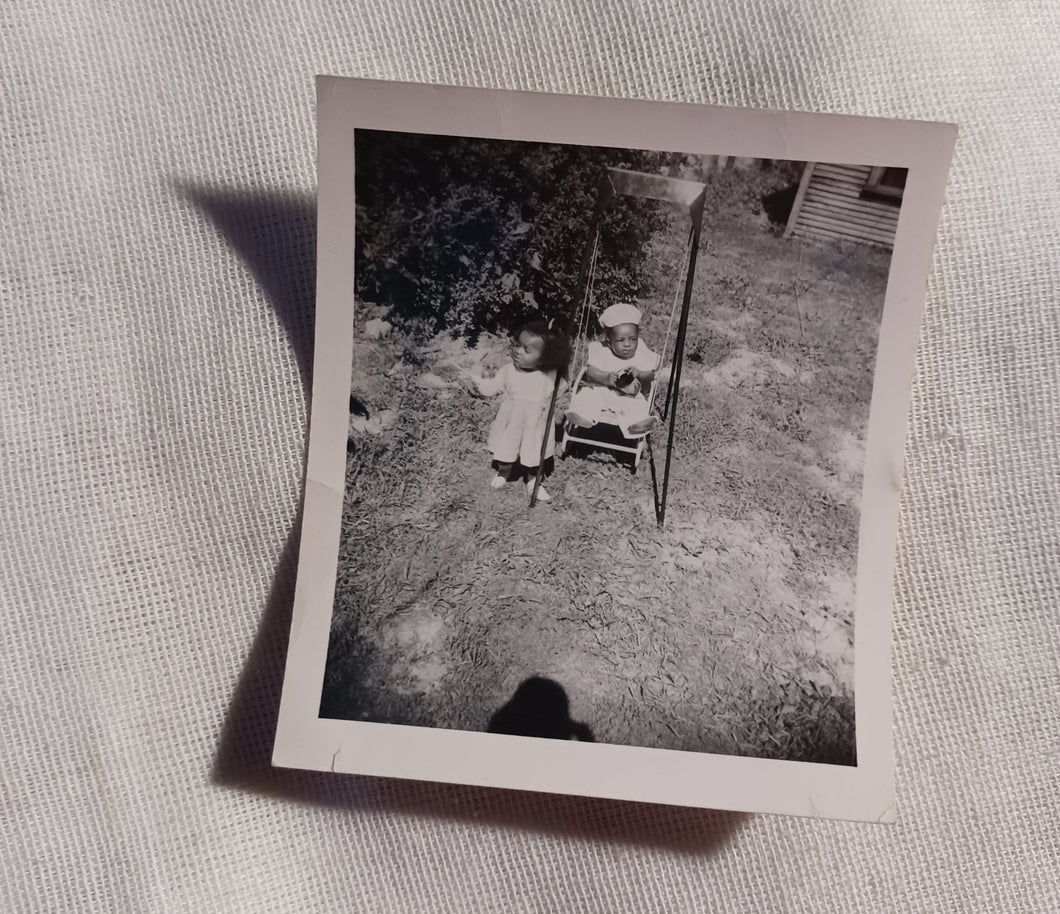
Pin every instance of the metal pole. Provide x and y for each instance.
(654, 478)
(670, 387)
(604, 195)
(679, 347)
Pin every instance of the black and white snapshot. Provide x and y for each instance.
(607, 425)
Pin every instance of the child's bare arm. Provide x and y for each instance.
(595, 375)
(485, 387)
(598, 376)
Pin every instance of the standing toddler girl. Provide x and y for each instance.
(538, 355)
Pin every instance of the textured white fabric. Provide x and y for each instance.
(155, 270)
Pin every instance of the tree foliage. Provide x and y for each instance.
(472, 235)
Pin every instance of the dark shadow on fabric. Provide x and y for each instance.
(274, 234)
(539, 708)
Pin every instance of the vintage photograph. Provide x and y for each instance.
(607, 431)
(606, 444)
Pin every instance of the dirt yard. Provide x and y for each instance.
(729, 630)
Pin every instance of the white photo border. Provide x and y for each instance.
(863, 792)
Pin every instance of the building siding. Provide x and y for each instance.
(830, 205)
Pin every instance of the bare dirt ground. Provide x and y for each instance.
(729, 630)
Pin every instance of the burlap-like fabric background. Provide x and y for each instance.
(156, 276)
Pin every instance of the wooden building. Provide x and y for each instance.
(849, 202)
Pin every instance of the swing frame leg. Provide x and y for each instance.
(674, 389)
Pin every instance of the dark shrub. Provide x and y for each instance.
(471, 235)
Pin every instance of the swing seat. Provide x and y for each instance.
(691, 197)
(605, 435)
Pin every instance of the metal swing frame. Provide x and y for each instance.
(691, 197)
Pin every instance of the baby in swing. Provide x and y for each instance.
(538, 354)
(619, 374)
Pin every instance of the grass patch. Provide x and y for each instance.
(731, 629)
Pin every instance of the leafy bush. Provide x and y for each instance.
(472, 235)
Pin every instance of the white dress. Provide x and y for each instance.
(520, 426)
(602, 404)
